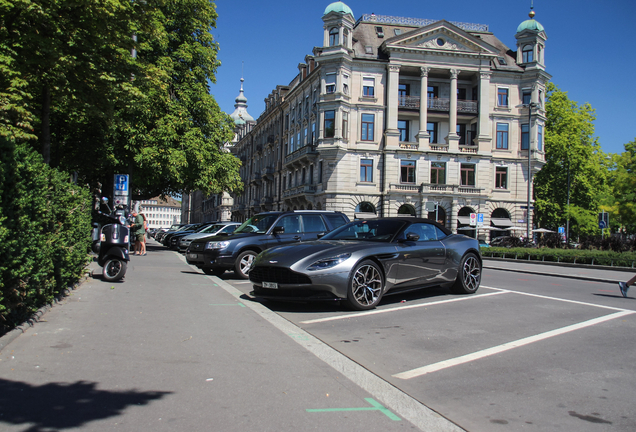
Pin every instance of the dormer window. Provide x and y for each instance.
(527, 54)
(379, 31)
(334, 37)
(397, 32)
(502, 61)
(368, 49)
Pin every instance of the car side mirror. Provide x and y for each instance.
(412, 237)
(278, 230)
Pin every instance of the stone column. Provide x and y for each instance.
(484, 139)
(453, 139)
(423, 136)
(453, 215)
(340, 35)
(325, 41)
(392, 133)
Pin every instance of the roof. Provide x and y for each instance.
(339, 7)
(530, 24)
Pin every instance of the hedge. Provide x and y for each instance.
(573, 256)
(44, 233)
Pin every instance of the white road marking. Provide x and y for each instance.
(400, 308)
(507, 346)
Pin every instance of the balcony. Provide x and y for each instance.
(468, 149)
(299, 190)
(267, 173)
(439, 147)
(409, 146)
(303, 154)
(409, 102)
(438, 104)
(405, 187)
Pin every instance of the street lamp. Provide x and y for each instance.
(529, 106)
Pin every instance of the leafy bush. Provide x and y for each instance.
(574, 256)
(44, 232)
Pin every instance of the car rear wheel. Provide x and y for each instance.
(243, 264)
(468, 276)
(365, 286)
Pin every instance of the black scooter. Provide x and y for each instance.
(111, 243)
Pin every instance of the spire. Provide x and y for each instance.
(240, 114)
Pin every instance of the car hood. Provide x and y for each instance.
(228, 237)
(286, 256)
(196, 236)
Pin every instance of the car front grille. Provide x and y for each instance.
(196, 247)
(277, 274)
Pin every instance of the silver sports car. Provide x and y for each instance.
(363, 260)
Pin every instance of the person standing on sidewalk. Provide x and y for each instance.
(624, 286)
(138, 231)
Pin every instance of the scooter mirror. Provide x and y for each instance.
(105, 200)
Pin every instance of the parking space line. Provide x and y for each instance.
(560, 299)
(507, 346)
(376, 406)
(400, 308)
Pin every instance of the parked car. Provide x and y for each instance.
(220, 228)
(171, 241)
(217, 254)
(166, 238)
(360, 262)
(160, 234)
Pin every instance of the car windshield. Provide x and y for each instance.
(213, 228)
(367, 230)
(257, 224)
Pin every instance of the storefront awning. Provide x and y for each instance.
(465, 220)
(501, 222)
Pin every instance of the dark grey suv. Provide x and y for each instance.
(236, 252)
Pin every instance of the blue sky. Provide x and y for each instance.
(588, 52)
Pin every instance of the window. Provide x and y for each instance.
(368, 49)
(431, 128)
(404, 90)
(461, 94)
(292, 148)
(540, 138)
(397, 32)
(290, 223)
(334, 37)
(526, 97)
(461, 131)
(467, 175)
(345, 84)
(313, 133)
(407, 171)
(502, 136)
(366, 170)
(502, 97)
(313, 223)
(330, 124)
(320, 172)
(501, 177)
(525, 136)
(345, 125)
(527, 54)
(368, 87)
(438, 172)
(432, 92)
(330, 81)
(366, 132)
(379, 32)
(403, 127)
(502, 61)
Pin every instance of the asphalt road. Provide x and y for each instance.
(173, 349)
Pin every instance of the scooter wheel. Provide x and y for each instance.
(114, 270)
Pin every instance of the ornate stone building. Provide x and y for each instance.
(402, 116)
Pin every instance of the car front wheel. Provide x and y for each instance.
(243, 264)
(365, 286)
(468, 276)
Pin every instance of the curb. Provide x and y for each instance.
(12, 335)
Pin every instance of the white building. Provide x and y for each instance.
(161, 213)
(402, 116)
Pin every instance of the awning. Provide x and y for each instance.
(464, 220)
(501, 222)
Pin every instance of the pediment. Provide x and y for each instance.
(441, 36)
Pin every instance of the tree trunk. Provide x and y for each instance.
(46, 125)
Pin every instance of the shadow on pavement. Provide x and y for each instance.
(57, 406)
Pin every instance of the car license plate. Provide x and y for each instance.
(193, 256)
(272, 285)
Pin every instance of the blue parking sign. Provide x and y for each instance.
(121, 182)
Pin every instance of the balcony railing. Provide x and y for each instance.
(409, 146)
(299, 190)
(307, 152)
(438, 104)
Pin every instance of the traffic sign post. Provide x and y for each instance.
(603, 222)
(120, 190)
(473, 219)
(480, 219)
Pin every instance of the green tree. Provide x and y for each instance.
(574, 156)
(68, 79)
(624, 188)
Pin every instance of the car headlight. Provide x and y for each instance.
(326, 263)
(217, 245)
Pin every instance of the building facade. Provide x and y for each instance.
(161, 213)
(395, 115)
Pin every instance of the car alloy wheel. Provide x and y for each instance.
(244, 263)
(469, 275)
(365, 286)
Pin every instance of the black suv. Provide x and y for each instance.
(216, 254)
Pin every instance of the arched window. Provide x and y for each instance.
(439, 215)
(365, 207)
(463, 219)
(527, 54)
(406, 209)
(334, 37)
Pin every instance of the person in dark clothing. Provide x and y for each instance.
(138, 230)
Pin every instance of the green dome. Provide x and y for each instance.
(339, 7)
(530, 24)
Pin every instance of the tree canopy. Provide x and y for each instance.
(571, 151)
(116, 86)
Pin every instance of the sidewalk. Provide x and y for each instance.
(172, 349)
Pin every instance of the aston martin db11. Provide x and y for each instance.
(366, 259)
